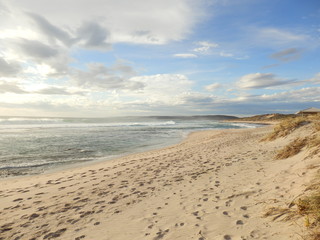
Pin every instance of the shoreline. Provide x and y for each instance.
(215, 184)
(88, 164)
(18, 172)
(70, 166)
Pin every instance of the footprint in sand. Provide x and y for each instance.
(195, 213)
(18, 199)
(81, 237)
(228, 203)
(239, 222)
(55, 234)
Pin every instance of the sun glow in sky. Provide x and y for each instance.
(101, 58)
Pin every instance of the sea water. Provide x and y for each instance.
(36, 145)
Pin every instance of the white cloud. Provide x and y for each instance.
(164, 88)
(281, 35)
(309, 94)
(32, 53)
(34, 49)
(51, 31)
(198, 100)
(261, 80)
(43, 36)
(315, 79)
(58, 91)
(185, 55)
(9, 69)
(94, 36)
(278, 37)
(204, 47)
(99, 77)
(213, 86)
(17, 88)
(287, 55)
(39, 70)
(225, 54)
(140, 21)
(10, 87)
(155, 98)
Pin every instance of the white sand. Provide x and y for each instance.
(214, 185)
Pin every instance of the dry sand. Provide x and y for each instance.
(213, 185)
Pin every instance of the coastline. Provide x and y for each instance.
(253, 122)
(216, 184)
(64, 145)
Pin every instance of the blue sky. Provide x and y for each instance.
(101, 58)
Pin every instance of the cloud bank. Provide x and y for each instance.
(261, 80)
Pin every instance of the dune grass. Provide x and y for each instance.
(289, 125)
(316, 126)
(314, 117)
(309, 208)
(292, 149)
(274, 117)
(286, 127)
(314, 144)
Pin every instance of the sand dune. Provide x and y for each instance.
(213, 185)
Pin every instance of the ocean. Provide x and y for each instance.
(37, 145)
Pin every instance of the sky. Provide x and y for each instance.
(104, 58)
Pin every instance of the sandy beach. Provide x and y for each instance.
(214, 185)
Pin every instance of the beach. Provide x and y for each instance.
(216, 184)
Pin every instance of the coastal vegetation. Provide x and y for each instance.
(309, 208)
(308, 205)
(274, 117)
(286, 126)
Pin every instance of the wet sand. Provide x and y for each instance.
(213, 185)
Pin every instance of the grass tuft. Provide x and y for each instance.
(309, 207)
(292, 149)
(316, 126)
(315, 236)
(314, 143)
(286, 127)
(286, 214)
(290, 124)
(315, 117)
(311, 142)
